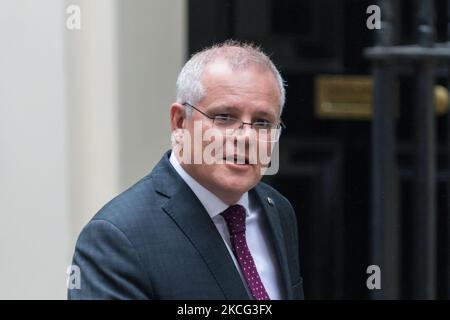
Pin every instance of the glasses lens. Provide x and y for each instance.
(269, 135)
(235, 129)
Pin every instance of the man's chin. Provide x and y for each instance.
(236, 185)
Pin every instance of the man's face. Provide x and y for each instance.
(250, 95)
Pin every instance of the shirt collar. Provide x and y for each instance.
(213, 205)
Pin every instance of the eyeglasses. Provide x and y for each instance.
(265, 130)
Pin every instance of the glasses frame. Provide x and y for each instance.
(281, 126)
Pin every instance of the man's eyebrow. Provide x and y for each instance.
(267, 114)
(224, 108)
(231, 108)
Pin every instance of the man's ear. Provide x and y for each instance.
(177, 116)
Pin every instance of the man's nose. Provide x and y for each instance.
(246, 132)
(244, 129)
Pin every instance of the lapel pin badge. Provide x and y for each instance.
(270, 201)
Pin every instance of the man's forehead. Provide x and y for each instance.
(221, 67)
(220, 80)
(224, 81)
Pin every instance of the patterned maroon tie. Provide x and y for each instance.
(235, 219)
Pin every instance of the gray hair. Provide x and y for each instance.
(239, 55)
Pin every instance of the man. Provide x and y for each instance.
(205, 229)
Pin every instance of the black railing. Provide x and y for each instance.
(386, 56)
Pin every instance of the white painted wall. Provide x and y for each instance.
(83, 114)
(34, 215)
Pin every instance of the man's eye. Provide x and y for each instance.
(223, 117)
(262, 124)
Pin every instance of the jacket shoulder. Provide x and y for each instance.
(129, 204)
(275, 195)
(283, 205)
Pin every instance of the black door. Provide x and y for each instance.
(325, 158)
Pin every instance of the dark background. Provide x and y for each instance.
(325, 165)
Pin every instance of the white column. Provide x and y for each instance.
(122, 68)
(92, 67)
(152, 49)
(83, 114)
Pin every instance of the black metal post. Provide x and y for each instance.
(384, 219)
(424, 219)
(447, 242)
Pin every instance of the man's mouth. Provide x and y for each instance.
(236, 159)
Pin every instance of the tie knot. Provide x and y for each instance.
(235, 218)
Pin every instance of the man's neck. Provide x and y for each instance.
(228, 198)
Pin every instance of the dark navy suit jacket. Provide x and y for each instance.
(156, 241)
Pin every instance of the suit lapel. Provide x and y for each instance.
(191, 217)
(273, 218)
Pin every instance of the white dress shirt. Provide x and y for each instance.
(256, 233)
